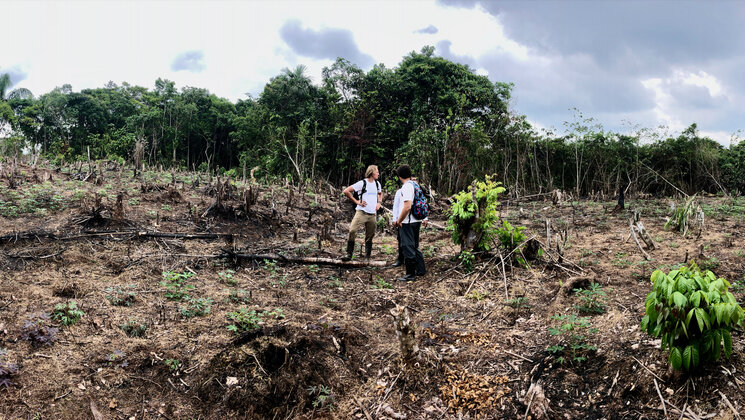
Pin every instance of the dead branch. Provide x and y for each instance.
(302, 260)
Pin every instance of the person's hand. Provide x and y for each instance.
(362, 203)
(377, 207)
(425, 222)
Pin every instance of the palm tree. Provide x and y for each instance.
(20, 93)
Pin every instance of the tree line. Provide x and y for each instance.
(448, 123)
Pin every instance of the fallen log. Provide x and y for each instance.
(33, 235)
(302, 260)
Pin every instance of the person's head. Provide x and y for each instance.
(372, 172)
(403, 172)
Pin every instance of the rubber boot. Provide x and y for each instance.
(398, 263)
(368, 250)
(350, 251)
(410, 271)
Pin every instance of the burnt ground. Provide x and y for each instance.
(325, 344)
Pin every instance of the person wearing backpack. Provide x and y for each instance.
(410, 211)
(367, 195)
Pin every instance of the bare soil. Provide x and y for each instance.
(332, 351)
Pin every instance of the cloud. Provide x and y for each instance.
(431, 29)
(327, 43)
(17, 75)
(442, 48)
(192, 61)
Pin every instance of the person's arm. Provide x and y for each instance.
(405, 209)
(348, 193)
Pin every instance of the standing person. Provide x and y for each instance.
(369, 196)
(408, 226)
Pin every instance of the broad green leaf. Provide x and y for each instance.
(689, 316)
(717, 345)
(695, 299)
(702, 316)
(727, 343)
(680, 300)
(676, 359)
(645, 323)
(690, 357)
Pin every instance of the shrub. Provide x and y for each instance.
(67, 313)
(227, 276)
(693, 312)
(572, 346)
(470, 232)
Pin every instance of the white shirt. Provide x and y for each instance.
(405, 193)
(370, 196)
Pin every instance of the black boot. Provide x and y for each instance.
(398, 263)
(350, 251)
(368, 250)
(410, 271)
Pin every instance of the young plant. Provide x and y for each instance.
(592, 300)
(477, 296)
(134, 328)
(693, 312)
(38, 332)
(466, 260)
(176, 289)
(196, 307)
(323, 397)
(244, 320)
(380, 283)
(520, 302)
(572, 346)
(173, 364)
(239, 296)
(227, 277)
(121, 296)
(7, 370)
(67, 313)
(470, 232)
(510, 237)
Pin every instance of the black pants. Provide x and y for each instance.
(408, 245)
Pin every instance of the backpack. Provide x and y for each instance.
(419, 206)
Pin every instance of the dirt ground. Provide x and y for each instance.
(321, 340)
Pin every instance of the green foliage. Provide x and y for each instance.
(322, 396)
(682, 213)
(466, 260)
(121, 295)
(510, 237)
(172, 364)
(477, 295)
(592, 300)
(519, 302)
(244, 320)
(227, 277)
(196, 307)
(693, 313)
(67, 313)
(572, 332)
(176, 289)
(239, 296)
(380, 283)
(468, 231)
(133, 328)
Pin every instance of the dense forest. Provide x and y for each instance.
(450, 124)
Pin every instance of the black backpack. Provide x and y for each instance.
(358, 195)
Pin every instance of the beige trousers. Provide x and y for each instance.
(362, 218)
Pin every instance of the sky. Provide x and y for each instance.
(628, 65)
